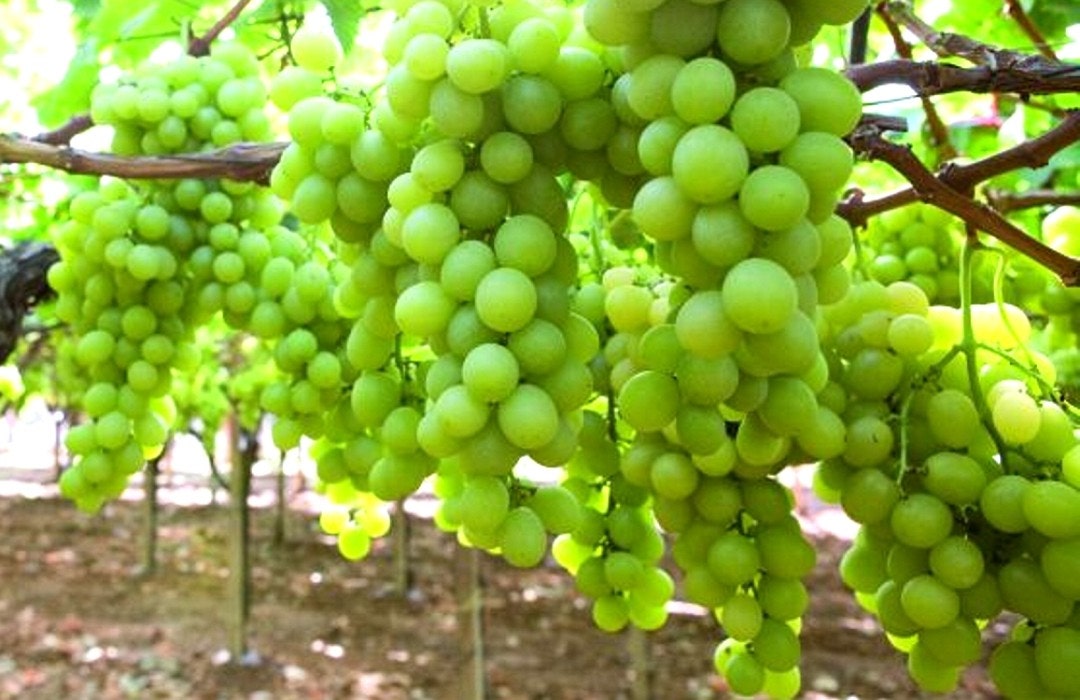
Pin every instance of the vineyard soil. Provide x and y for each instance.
(76, 623)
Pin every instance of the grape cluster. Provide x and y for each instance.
(959, 467)
(739, 162)
(143, 266)
(919, 244)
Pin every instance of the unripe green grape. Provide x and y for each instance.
(531, 104)
(921, 520)
(477, 65)
(528, 417)
(697, 175)
(424, 309)
(506, 299)
(650, 90)
(954, 478)
(771, 30)
(773, 197)
(957, 562)
(741, 617)
(663, 211)
(1053, 509)
(292, 85)
(522, 538)
(759, 296)
(534, 45)
(827, 101)
(682, 27)
(610, 613)
(506, 157)
(765, 119)
(315, 49)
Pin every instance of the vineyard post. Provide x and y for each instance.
(637, 645)
(401, 532)
(239, 535)
(150, 522)
(280, 505)
(470, 605)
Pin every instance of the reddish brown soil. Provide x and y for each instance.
(76, 622)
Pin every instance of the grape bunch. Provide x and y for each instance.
(919, 244)
(958, 466)
(143, 265)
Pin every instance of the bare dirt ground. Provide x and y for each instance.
(76, 622)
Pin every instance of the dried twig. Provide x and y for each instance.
(1005, 201)
(1016, 11)
(1031, 75)
(201, 46)
(933, 190)
(939, 132)
(243, 162)
(62, 135)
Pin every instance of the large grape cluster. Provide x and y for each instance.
(447, 194)
(960, 467)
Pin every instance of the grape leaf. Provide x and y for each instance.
(345, 18)
(72, 94)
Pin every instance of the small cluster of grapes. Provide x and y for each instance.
(960, 468)
(919, 244)
(143, 266)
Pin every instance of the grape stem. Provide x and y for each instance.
(1014, 9)
(62, 135)
(969, 345)
(939, 132)
(945, 189)
(1005, 201)
(1029, 75)
(200, 46)
(245, 162)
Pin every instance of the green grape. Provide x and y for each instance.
(1025, 590)
(773, 198)
(490, 372)
(693, 163)
(957, 562)
(649, 400)
(759, 296)
(921, 520)
(315, 49)
(506, 299)
(477, 65)
(772, 29)
(953, 418)
(742, 617)
(425, 309)
(828, 101)
(1057, 653)
(522, 538)
(1053, 509)
(733, 559)
(929, 602)
(1059, 563)
(1014, 671)
(703, 91)
(534, 45)
(292, 85)
(528, 417)
(1016, 417)
(674, 476)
